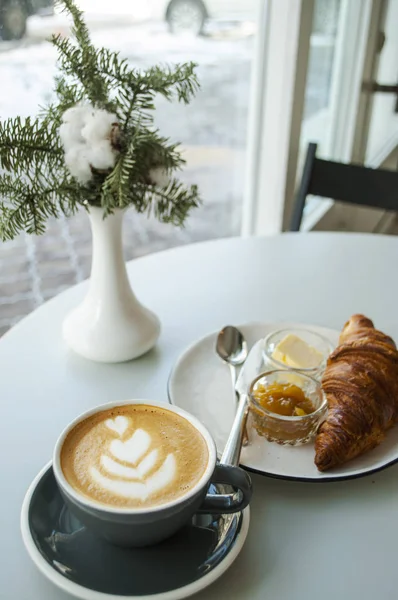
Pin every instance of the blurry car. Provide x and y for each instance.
(14, 15)
(181, 15)
(191, 15)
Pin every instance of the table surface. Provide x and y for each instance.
(334, 540)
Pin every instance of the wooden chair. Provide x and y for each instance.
(353, 184)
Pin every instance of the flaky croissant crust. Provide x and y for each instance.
(361, 386)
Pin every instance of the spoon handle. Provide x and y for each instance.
(232, 369)
(232, 449)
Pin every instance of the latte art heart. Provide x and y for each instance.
(132, 449)
(118, 424)
(115, 468)
(134, 456)
(139, 489)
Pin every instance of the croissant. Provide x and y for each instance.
(361, 386)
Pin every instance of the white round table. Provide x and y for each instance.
(306, 541)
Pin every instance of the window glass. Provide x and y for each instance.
(212, 129)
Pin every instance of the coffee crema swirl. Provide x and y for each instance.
(134, 456)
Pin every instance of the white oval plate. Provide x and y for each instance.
(200, 383)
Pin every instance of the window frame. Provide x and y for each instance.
(276, 130)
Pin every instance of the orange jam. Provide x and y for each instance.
(284, 399)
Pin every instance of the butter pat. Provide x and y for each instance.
(294, 352)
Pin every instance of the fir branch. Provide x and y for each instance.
(27, 143)
(115, 190)
(81, 65)
(173, 203)
(172, 81)
(35, 183)
(67, 93)
(80, 30)
(177, 81)
(81, 61)
(27, 207)
(136, 90)
(135, 109)
(151, 155)
(31, 201)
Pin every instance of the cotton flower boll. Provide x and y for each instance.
(159, 177)
(77, 161)
(77, 114)
(98, 125)
(101, 155)
(70, 134)
(73, 121)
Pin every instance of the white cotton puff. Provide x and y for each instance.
(73, 121)
(101, 155)
(70, 134)
(97, 125)
(159, 177)
(76, 113)
(77, 161)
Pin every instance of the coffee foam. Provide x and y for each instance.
(134, 456)
(136, 489)
(118, 424)
(132, 449)
(139, 472)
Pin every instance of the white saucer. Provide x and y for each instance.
(200, 383)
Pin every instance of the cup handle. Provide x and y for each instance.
(228, 503)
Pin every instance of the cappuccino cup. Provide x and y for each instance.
(135, 472)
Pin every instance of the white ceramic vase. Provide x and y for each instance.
(111, 325)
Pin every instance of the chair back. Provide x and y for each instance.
(352, 184)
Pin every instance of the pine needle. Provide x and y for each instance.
(35, 183)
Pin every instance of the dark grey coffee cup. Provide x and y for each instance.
(145, 526)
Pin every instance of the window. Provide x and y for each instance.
(321, 79)
(212, 129)
(318, 93)
(275, 74)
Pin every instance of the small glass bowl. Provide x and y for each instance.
(282, 429)
(316, 340)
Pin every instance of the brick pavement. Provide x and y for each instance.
(33, 269)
